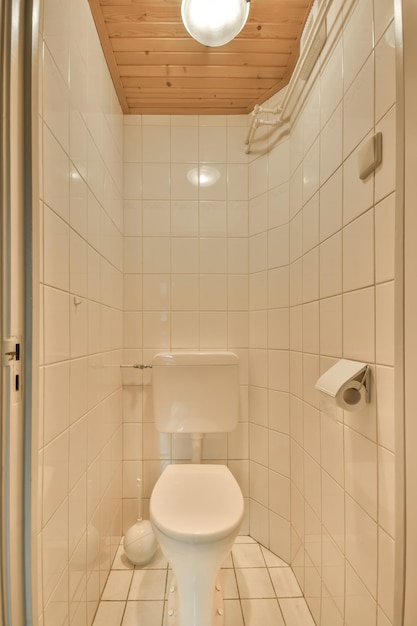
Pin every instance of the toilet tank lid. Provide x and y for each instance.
(195, 358)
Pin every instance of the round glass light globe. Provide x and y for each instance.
(214, 22)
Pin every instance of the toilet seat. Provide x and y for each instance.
(196, 503)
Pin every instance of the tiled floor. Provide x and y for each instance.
(258, 588)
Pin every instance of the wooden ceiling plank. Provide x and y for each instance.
(179, 58)
(198, 110)
(160, 31)
(193, 93)
(197, 83)
(172, 44)
(199, 71)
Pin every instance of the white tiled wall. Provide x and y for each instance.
(186, 275)
(287, 260)
(81, 264)
(337, 476)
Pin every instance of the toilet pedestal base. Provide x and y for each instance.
(172, 612)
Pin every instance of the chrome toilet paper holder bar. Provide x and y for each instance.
(138, 366)
(366, 382)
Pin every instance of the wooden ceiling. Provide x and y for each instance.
(158, 68)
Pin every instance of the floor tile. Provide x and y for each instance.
(262, 613)
(285, 582)
(296, 612)
(247, 555)
(109, 614)
(148, 585)
(117, 585)
(271, 559)
(233, 613)
(254, 583)
(144, 613)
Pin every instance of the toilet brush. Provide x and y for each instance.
(139, 542)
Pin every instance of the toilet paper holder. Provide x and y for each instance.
(341, 374)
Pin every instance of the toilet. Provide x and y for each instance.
(196, 509)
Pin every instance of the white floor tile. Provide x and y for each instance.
(285, 582)
(117, 585)
(233, 613)
(148, 585)
(247, 555)
(109, 614)
(147, 613)
(262, 613)
(296, 612)
(254, 583)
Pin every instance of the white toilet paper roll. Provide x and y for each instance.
(351, 396)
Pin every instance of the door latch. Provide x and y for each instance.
(11, 351)
(12, 360)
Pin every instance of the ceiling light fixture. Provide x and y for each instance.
(214, 22)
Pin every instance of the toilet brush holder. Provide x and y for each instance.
(139, 542)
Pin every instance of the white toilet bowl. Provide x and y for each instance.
(196, 512)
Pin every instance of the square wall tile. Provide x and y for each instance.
(384, 241)
(331, 266)
(185, 328)
(156, 143)
(384, 302)
(385, 73)
(357, 40)
(358, 252)
(213, 219)
(184, 218)
(359, 108)
(361, 471)
(156, 218)
(184, 144)
(185, 255)
(184, 181)
(57, 325)
(156, 181)
(362, 544)
(212, 144)
(156, 255)
(331, 84)
(258, 214)
(213, 255)
(331, 145)
(359, 325)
